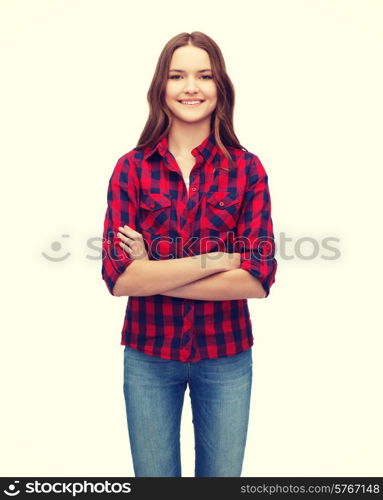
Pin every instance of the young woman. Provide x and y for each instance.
(188, 236)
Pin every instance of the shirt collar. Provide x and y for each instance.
(207, 148)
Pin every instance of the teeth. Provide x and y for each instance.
(191, 102)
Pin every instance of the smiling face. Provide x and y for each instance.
(191, 79)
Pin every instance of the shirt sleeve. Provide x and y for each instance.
(255, 227)
(121, 210)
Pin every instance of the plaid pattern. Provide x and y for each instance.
(221, 210)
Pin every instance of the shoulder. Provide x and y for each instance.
(130, 158)
(125, 169)
(247, 161)
(129, 161)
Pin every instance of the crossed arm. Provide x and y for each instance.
(211, 276)
(228, 285)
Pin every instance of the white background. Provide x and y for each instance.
(308, 79)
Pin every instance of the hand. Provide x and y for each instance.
(133, 243)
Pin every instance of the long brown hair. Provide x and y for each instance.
(159, 121)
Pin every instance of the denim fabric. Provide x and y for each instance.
(220, 391)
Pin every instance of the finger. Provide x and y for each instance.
(126, 239)
(129, 230)
(125, 229)
(125, 247)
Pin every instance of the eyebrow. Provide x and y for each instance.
(182, 71)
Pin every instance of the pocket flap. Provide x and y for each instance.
(222, 199)
(154, 201)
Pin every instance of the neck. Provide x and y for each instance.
(183, 138)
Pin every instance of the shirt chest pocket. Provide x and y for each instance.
(155, 210)
(221, 210)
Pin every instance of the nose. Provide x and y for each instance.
(190, 85)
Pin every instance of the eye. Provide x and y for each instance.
(174, 77)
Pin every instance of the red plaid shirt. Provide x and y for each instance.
(221, 210)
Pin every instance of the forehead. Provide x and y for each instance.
(190, 58)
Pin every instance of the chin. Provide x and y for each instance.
(191, 119)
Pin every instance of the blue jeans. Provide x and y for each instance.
(220, 392)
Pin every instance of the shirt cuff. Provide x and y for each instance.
(254, 270)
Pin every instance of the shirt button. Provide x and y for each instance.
(108, 242)
(194, 189)
(152, 205)
(221, 203)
